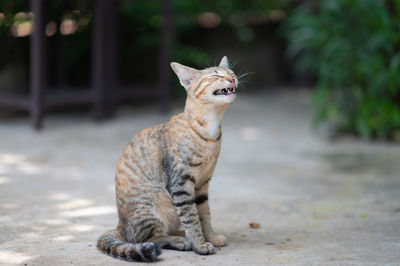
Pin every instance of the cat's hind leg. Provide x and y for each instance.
(153, 219)
(173, 237)
(154, 229)
(171, 242)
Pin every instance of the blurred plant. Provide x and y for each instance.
(354, 49)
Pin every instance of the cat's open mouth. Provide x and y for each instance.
(225, 91)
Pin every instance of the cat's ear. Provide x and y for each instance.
(224, 62)
(185, 74)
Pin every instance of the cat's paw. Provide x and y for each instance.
(218, 240)
(178, 243)
(205, 248)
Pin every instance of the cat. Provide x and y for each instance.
(162, 175)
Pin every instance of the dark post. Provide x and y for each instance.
(111, 67)
(60, 48)
(164, 87)
(104, 56)
(98, 58)
(37, 77)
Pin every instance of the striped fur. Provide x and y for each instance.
(114, 244)
(163, 174)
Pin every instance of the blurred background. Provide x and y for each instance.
(346, 52)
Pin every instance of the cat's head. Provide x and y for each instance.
(211, 85)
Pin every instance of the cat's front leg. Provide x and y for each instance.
(183, 197)
(203, 210)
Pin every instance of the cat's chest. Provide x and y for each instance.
(213, 129)
(205, 158)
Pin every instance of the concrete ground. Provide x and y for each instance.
(316, 202)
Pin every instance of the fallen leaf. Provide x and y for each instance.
(254, 225)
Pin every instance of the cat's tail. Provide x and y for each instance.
(113, 244)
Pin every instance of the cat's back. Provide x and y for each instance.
(143, 153)
(153, 139)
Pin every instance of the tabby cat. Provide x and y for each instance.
(163, 173)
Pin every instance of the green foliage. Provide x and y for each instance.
(354, 49)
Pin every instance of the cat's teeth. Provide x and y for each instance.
(225, 91)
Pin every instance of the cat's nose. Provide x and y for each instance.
(232, 81)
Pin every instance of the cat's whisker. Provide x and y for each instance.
(234, 63)
(242, 75)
